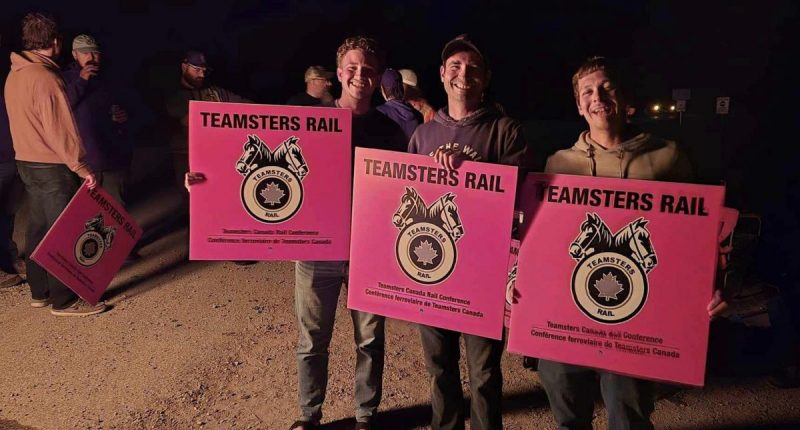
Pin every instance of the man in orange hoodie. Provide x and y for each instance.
(48, 151)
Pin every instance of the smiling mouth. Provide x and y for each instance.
(358, 84)
(462, 86)
(601, 110)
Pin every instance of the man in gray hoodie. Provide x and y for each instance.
(466, 129)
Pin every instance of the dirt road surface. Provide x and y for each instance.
(210, 345)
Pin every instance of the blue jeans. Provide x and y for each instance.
(442, 354)
(50, 187)
(570, 390)
(317, 286)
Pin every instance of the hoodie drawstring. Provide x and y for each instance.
(621, 156)
(592, 161)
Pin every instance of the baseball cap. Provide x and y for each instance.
(85, 43)
(317, 72)
(461, 43)
(409, 77)
(195, 58)
(391, 79)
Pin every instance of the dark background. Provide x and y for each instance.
(743, 49)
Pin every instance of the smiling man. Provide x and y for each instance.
(359, 64)
(468, 128)
(611, 148)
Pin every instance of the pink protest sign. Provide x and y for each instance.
(88, 243)
(278, 182)
(429, 245)
(616, 274)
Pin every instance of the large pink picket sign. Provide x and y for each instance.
(278, 182)
(616, 275)
(88, 243)
(429, 245)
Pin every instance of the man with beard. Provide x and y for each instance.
(193, 86)
(100, 120)
(318, 88)
(468, 128)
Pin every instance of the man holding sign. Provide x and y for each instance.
(466, 129)
(610, 148)
(317, 283)
(49, 153)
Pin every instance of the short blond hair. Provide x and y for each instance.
(363, 43)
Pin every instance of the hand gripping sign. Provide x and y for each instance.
(277, 182)
(616, 274)
(88, 243)
(431, 245)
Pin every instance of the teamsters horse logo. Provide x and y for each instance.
(94, 241)
(272, 189)
(426, 249)
(609, 284)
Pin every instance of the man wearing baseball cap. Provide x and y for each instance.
(318, 88)
(99, 117)
(193, 86)
(468, 128)
(414, 95)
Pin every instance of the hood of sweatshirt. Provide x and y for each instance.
(623, 155)
(403, 110)
(480, 115)
(29, 58)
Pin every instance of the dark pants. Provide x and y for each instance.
(8, 205)
(442, 354)
(50, 187)
(113, 181)
(571, 389)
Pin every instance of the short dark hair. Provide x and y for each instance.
(613, 70)
(39, 30)
(365, 44)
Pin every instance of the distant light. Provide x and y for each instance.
(672, 108)
(656, 107)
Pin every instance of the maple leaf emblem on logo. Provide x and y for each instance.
(89, 248)
(608, 286)
(272, 194)
(425, 252)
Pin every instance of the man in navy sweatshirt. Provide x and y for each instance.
(100, 119)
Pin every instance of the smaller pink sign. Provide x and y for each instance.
(728, 217)
(88, 243)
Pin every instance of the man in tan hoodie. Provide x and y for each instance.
(610, 148)
(48, 152)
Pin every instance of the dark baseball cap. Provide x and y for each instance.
(391, 78)
(461, 43)
(196, 58)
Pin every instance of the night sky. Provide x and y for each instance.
(260, 49)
